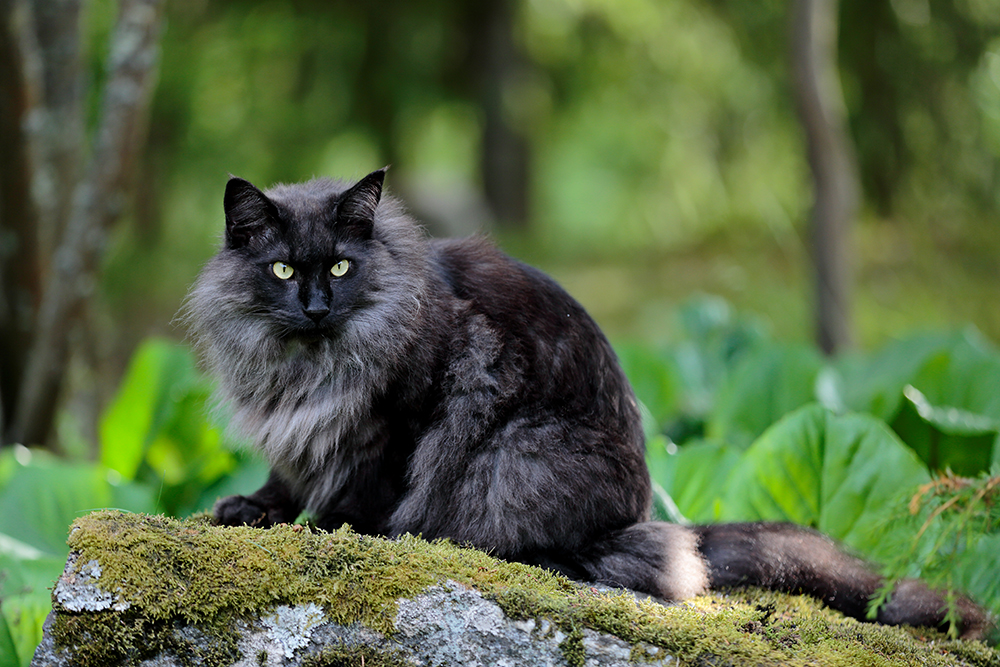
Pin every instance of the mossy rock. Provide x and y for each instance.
(151, 590)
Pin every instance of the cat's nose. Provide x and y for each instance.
(316, 313)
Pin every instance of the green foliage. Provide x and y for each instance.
(158, 429)
(874, 382)
(949, 533)
(946, 438)
(8, 649)
(25, 577)
(653, 377)
(842, 445)
(40, 496)
(695, 475)
(817, 468)
(769, 381)
(679, 384)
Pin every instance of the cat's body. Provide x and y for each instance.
(440, 388)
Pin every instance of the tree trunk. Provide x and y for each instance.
(97, 202)
(831, 159)
(56, 125)
(20, 268)
(504, 156)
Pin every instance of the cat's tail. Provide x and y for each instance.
(675, 562)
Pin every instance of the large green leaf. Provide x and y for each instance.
(769, 382)
(817, 468)
(653, 377)
(8, 649)
(873, 383)
(946, 438)
(24, 618)
(25, 568)
(42, 495)
(26, 577)
(45, 496)
(160, 372)
(961, 370)
(693, 475)
(966, 376)
(158, 428)
(713, 339)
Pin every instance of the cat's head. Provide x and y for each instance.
(305, 249)
(322, 269)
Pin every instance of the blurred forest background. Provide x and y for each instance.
(643, 152)
(639, 151)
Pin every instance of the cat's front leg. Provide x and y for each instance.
(270, 504)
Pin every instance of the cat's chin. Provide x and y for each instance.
(307, 340)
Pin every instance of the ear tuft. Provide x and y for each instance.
(249, 213)
(356, 207)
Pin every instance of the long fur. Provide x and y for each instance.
(444, 389)
(307, 407)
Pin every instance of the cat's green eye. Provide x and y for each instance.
(340, 268)
(282, 270)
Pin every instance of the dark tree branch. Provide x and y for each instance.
(97, 203)
(831, 159)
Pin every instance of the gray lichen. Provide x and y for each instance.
(291, 627)
(455, 625)
(77, 588)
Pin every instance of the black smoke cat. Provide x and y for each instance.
(407, 385)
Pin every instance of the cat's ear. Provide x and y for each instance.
(356, 207)
(250, 215)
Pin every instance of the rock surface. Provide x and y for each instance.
(157, 592)
(447, 625)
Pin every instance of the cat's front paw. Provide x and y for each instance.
(240, 511)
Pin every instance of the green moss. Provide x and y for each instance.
(572, 648)
(194, 574)
(107, 638)
(110, 638)
(345, 655)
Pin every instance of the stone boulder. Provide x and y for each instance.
(153, 591)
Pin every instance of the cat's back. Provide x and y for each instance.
(558, 350)
(507, 291)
